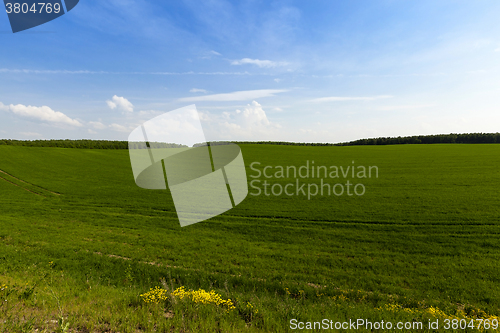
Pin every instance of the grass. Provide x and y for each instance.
(80, 243)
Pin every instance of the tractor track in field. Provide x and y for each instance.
(25, 182)
(152, 263)
(8, 181)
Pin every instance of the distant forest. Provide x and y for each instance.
(418, 139)
(82, 144)
(428, 139)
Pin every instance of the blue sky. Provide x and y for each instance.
(309, 71)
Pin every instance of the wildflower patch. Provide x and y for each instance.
(157, 295)
(203, 297)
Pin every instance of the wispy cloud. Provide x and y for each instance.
(195, 90)
(235, 96)
(45, 71)
(43, 113)
(121, 128)
(342, 99)
(97, 125)
(404, 107)
(259, 63)
(201, 73)
(120, 103)
(210, 55)
(88, 72)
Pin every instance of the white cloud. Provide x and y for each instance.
(43, 113)
(120, 128)
(149, 113)
(97, 125)
(342, 99)
(120, 103)
(251, 123)
(235, 96)
(195, 90)
(254, 115)
(215, 53)
(497, 49)
(259, 63)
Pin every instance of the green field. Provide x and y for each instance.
(80, 242)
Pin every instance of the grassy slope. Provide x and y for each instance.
(425, 233)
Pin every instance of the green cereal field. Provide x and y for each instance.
(83, 249)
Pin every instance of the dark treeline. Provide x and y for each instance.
(281, 143)
(418, 139)
(82, 144)
(154, 145)
(428, 139)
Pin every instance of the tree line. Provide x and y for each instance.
(428, 139)
(416, 139)
(82, 144)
